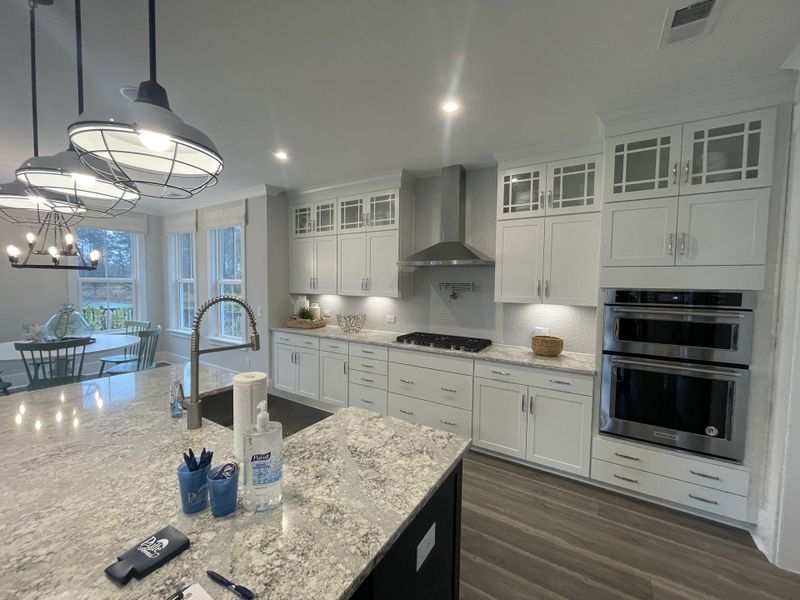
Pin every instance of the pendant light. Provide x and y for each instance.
(18, 204)
(148, 146)
(66, 178)
(56, 245)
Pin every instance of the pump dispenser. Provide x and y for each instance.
(263, 464)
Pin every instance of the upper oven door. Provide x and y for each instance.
(723, 336)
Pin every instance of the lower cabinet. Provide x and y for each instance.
(333, 378)
(296, 370)
(368, 398)
(424, 412)
(546, 427)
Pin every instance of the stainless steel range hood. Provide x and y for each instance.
(451, 250)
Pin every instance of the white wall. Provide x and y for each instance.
(279, 302)
(473, 313)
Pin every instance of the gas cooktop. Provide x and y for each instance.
(449, 342)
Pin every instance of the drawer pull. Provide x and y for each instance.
(496, 372)
(559, 382)
(628, 479)
(408, 381)
(308, 343)
(333, 346)
(368, 380)
(701, 499)
(283, 339)
(367, 366)
(704, 475)
(367, 352)
(406, 412)
(627, 456)
(452, 391)
(367, 401)
(447, 422)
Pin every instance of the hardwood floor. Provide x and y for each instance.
(528, 534)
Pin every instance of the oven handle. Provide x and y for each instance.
(720, 315)
(664, 366)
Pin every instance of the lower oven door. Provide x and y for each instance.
(698, 408)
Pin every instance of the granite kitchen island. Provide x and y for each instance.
(91, 471)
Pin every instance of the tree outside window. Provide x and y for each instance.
(183, 280)
(226, 247)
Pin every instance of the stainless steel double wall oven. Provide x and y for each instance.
(676, 368)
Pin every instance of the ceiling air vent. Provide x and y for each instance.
(692, 20)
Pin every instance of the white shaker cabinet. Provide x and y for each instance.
(296, 370)
(521, 192)
(519, 256)
(368, 264)
(333, 378)
(559, 430)
(310, 219)
(571, 264)
(352, 257)
(640, 233)
(285, 370)
(312, 265)
(500, 416)
(573, 185)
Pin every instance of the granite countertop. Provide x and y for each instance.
(573, 362)
(89, 485)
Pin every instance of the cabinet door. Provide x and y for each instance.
(500, 417)
(333, 378)
(301, 220)
(325, 217)
(572, 185)
(640, 233)
(301, 266)
(518, 266)
(352, 211)
(307, 364)
(352, 264)
(383, 210)
(325, 265)
(728, 153)
(571, 259)
(726, 228)
(559, 430)
(642, 165)
(285, 369)
(521, 192)
(382, 255)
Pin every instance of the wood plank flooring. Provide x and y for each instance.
(528, 534)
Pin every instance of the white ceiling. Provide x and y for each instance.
(351, 87)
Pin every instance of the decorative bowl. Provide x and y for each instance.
(351, 323)
(547, 345)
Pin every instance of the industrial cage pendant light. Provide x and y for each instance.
(149, 148)
(65, 177)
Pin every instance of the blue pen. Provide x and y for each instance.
(239, 590)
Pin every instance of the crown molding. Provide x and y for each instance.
(390, 179)
(550, 151)
(255, 191)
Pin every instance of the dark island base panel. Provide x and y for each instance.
(396, 576)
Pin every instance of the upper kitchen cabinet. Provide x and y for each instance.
(521, 192)
(375, 211)
(312, 265)
(368, 264)
(728, 153)
(352, 214)
(310, 219)
(518, 261)
(643, 164)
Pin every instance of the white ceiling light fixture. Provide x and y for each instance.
(450, 106)
(148, 147)
(281, 155)
(62, 180)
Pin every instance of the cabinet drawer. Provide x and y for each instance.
(369, 351)
(292, 339)
(672, 464)
(369, 365)
(368, 398)
(417, 358)
(368, 379)
(452, 389)
(434, 415)
(543, 378)
(680, 492)
(337, 346)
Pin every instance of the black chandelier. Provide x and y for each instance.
(57, 244)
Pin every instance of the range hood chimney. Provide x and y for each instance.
(451, 250)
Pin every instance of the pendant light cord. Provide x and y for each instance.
(79, 54)
(34, 103)
(151, 11)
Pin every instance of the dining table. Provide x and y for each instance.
(103, 342)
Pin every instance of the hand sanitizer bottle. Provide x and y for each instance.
(263, 462)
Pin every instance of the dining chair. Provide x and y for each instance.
(130, 353)
(52, 363)
(146, 354)
(4, 385)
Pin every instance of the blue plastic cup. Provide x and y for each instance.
(194, 488)
(223, 492)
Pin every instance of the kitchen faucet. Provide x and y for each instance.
(193, 406)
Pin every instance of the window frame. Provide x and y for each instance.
(175, 280)
(216, 283)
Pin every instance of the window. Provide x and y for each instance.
(108, 294)
(226, 247)
(182, 279)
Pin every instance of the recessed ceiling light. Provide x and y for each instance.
(281, 155)
(450, 106)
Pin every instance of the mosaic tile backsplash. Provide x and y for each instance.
(473, 313)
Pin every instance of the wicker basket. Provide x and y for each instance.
(296, 323)
(547, 345)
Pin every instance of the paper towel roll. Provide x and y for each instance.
(248, 390)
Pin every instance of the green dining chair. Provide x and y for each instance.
(130, 353)
(4, 385)
(49, 364)
(146, 354)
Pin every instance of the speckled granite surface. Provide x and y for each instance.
(573, 362)
(89, 485)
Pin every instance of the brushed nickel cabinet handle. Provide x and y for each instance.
(547, 288)
(496, 372)
(368, 380)
(701, 499)
(344, 365)
(539, 288)
(550, 198)
(408, 381)
(686, 172)
(704, 475)
(682, 248)
(367, 366)
(628, 479)
(541, 198)
(367, 401)
(530, 405)
(670, 243)
(559, 382)
(367, 352)
(627, 456)
(447, 422)
(406, 412)
(523, 403)
(675, 172)
(452, 391)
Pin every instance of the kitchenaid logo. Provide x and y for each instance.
(152, 547)
(260, 457)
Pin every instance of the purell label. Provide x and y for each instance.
(258, 457)
(152, 547)
(266, 468)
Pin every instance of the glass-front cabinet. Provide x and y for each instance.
(522, 192)
(382, 210)
(572, 185)
(301, 219)
(643, 164)
(325, 217)
(727, 153)
(352, 214)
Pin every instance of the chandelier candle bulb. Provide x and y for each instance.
(31, 238)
